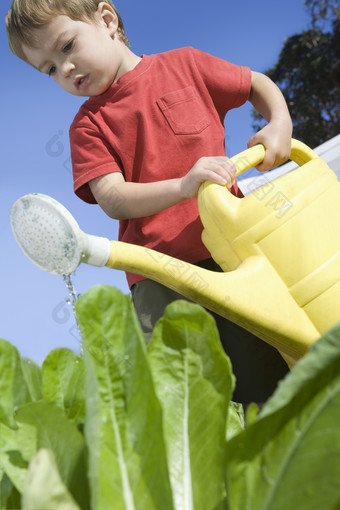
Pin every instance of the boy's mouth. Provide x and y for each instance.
(81, 82)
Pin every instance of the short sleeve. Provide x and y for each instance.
(91, 157)
(228, 84)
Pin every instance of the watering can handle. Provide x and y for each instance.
(300, 153)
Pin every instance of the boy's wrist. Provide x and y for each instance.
(282, 120)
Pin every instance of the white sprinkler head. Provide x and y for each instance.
(51, 238)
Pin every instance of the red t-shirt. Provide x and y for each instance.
(153, 124)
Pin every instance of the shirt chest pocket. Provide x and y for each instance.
(184, 111)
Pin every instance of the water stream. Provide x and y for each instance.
(71, 301)
(73, 296)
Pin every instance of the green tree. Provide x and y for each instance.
(308, 74)
(324, 11)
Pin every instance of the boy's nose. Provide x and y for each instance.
(68, 67)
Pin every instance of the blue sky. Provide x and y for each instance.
(36, 114)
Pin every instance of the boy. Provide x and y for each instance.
(150, 134)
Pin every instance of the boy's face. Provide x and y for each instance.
(84, 58)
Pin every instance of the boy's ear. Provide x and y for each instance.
(107, 14)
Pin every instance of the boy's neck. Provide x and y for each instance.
(129, 60)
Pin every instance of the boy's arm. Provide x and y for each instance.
(121, 200)
(268, 100)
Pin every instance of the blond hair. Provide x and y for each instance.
(25, 16)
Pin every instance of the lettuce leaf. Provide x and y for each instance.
(44, 425)
(44, 487)
(32, 375)
(10, 497)
(194, 383)
(127, 459)
(11, 460)
(13, 388)
(63, 382)
(290, 456)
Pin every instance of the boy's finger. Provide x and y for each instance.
(227, 165)
(267, 163)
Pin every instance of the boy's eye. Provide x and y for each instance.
(51, 70)
(68, 47)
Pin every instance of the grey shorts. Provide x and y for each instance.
(258, 367)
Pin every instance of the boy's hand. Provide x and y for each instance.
(218, 169)
(276, 138)
(268, 100)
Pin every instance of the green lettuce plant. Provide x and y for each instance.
(125, 426)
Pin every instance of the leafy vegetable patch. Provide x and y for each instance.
(125, 426)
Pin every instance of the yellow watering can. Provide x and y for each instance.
(279, 248)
